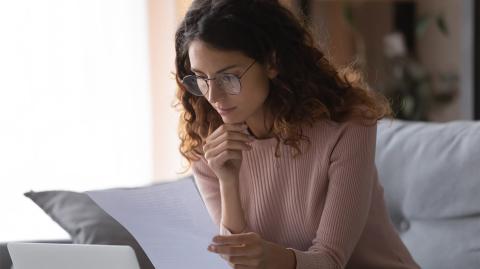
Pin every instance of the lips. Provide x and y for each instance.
(223, 111)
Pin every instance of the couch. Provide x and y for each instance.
(431, 178)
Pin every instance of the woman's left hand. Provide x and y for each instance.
(249, 250)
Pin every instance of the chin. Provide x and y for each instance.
(232, 119)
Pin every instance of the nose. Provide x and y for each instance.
(215, 92)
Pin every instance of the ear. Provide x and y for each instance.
(271, 66)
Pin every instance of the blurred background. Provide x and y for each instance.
(87, 87)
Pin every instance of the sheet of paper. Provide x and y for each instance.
(169, 221)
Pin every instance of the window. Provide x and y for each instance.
(75, 110)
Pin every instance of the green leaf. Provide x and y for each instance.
(422, 25)
(348, 13)
(442, 25)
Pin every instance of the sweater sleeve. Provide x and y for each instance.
(209, 188)
(351, 176)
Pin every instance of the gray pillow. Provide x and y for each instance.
(86, 222)
(430, 174)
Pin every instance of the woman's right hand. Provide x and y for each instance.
(223, 150)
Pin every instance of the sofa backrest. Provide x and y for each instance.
(431, 177)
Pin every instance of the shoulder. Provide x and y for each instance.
(333, 130)
(327, 134)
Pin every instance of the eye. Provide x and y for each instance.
(229, 77)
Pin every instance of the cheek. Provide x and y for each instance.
(257, 90)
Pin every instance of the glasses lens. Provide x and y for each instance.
(195, 86)
(229, 83)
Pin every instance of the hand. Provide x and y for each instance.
(223, 150)
(249, 250)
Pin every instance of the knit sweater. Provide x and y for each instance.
(326, 205)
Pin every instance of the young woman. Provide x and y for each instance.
(282, 146)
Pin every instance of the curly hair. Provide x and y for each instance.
(307, 88)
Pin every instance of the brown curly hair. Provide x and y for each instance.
(307, 88)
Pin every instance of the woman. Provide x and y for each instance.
(281, 145)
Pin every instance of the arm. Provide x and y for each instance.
(222, 200)
(218, 182)
(217, 174)
(233, 217)
(351, 176)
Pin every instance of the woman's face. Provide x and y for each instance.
(247, 106)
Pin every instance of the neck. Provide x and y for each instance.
(260, 126)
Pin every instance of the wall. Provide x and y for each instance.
(374, 19)
(163, 19)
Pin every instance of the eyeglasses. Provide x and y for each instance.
(230, 83)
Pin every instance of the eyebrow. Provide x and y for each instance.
(219, 71)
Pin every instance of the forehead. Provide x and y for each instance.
(204, 57)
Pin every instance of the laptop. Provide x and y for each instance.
(71, 256)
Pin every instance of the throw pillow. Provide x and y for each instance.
(86, 222)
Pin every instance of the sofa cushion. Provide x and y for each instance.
(85, 222)
(431, 176)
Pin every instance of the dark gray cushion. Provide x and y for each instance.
(5, 261)
(86, 223)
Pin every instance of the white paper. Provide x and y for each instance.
(169, 221)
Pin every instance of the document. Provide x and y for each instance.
(169, 221)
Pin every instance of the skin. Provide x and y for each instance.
(223, 151)
(207, 61)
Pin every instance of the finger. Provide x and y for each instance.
(226, 156)
(241, 266)
(236, 135)
(253, 261)
(233, 135)
(227, 136)
(239, 127)
(243, 238)
(229, 250)
(227, 145)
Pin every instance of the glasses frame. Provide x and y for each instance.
(214, 78)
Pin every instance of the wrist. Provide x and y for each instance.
(232, 216)
(283, 258)
(292, 259)
(229, 181)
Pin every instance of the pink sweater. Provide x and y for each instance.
(326, 205)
